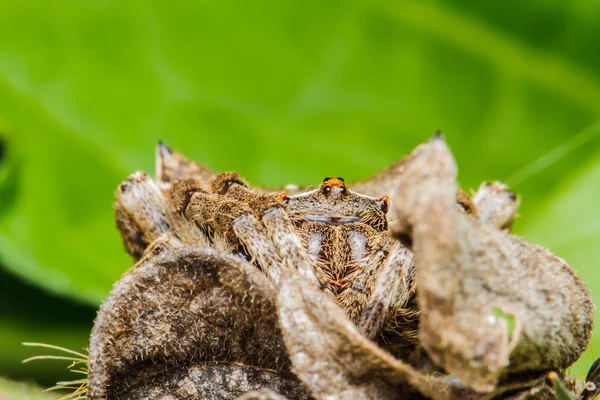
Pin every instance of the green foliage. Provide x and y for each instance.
(22, 391)
(560, 391)
(567, 222)
(287, 92)
(75, 388)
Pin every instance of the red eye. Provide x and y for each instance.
(284, 198)
(383, 204)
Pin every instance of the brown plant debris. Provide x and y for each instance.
(399, 287)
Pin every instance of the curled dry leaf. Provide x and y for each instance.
(467, 268)
(188, 323)
(331, 293)
(336, 361)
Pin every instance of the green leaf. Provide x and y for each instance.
(561, 392)
(282, 92)
(15, 332)
(28, 314)
(22, 391)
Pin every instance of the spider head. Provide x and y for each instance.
(334, 187)
(333, 204)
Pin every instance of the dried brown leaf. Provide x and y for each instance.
(466, 269)
(188, 323)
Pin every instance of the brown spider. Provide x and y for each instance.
(340, 292)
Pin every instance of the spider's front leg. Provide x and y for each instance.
(473, 278)
(382, 285)
(390, 309)
(141, 212)
(495, 204)
(273, 242)
(214, 215)
(213, 207)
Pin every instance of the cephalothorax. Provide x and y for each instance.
(396, 287)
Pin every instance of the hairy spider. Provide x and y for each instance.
(401, 286)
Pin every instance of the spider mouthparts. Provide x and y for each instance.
(332, 220)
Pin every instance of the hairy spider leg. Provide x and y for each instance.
(274, 244)
(142, 213)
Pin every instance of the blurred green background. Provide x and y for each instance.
(283, 92)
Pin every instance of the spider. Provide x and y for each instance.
(401, 286)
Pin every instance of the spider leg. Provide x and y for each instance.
(380, 299)
(141, 213)
(288, 243)
(474, 280)
(253, 236)
(226, 198)
(274, 244)
(213, 214)
(496, 204)
(394, 285)
(361, 284)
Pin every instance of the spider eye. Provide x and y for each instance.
(326, 190)
(383, 204)
(284, 198)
